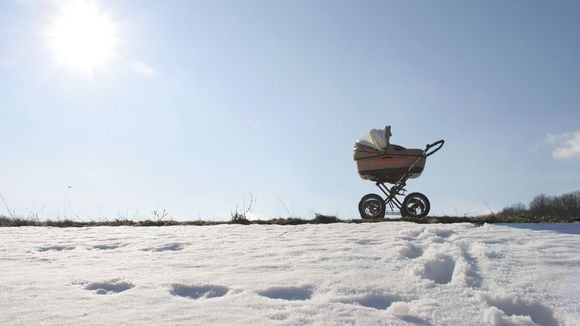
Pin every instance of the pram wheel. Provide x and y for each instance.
(371, 206)
(415, 205)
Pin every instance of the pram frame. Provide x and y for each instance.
(398, 188)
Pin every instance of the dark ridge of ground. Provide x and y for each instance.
(318, 219)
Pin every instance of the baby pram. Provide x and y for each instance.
(379, 161)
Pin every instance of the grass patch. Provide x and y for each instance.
(318, 219)
(325, 219)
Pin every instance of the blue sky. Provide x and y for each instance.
(206, 102)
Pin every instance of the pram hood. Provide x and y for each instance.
(376, 138)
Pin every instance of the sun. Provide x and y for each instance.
(82, 36)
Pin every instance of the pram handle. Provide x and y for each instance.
(438, 144)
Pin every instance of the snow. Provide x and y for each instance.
(392, 273)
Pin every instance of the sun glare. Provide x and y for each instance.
(82, 36)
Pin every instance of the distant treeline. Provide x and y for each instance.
(564, 206)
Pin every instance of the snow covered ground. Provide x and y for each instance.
(339, 274)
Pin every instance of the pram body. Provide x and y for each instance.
(382, 162)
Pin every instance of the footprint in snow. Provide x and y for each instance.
(514, 306)
(291, 293)
(414, 233)
(174, 246)
(444, 233)
(410, 251)
(494, 255)
(470, 268)
(439, 269)
(55, 248)
(279, 316)
(106, 246)
(198, 291)
(375, 301)
(368, 242)
(109, 287)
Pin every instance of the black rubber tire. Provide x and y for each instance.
(371, 206)
(415, 205)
